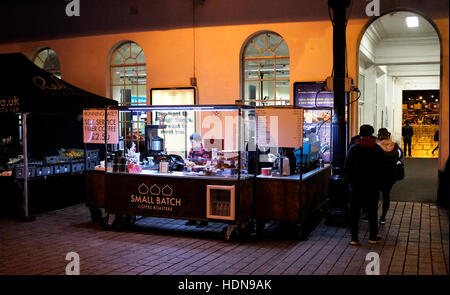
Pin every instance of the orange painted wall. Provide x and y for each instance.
(170, 55)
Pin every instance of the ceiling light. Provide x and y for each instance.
(432, 96)
(424, 101)
(412, 21)
(436, 99)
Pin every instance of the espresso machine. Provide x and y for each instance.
(154, 143)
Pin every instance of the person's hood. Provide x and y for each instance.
(388, 146)
(366, 142)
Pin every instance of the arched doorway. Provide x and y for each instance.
(399, 77)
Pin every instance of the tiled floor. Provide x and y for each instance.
(416, 243)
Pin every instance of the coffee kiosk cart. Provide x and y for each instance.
(252, 166)
(172, 179)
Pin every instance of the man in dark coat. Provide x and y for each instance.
(364, 168)
(407, 133)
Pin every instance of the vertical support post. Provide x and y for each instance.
(25, 216)
(337, 214)
(25, 164)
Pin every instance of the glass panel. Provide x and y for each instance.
(268, 91)
(267, 53)
(274, 40)
(130, 75)
(282, 92)
(283, 68)
(251, 51)
(260, 41)
(125, 50)
(135, 50)
(130, 61)
(141, 57)
(117, 76)
(251, 69)
(251, 91)
(282, 50)
(38, 61)
(117, 58)
(142, 74)
(141, 98)
(267, 68)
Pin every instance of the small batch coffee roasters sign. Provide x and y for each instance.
(155, 198)
(10, 104)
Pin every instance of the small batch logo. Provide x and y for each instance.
(73, 8)
(373, 8)
(155, 198)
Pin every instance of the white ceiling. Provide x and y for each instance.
(393, 25)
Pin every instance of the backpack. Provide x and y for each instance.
(399, 172)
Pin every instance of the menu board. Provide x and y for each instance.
(179, 124)
(94, 126)
(310, 95)
(276, 127)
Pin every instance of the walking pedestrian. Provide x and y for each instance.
(391, 156)
(436, 138)
(407, 133)
(364, 168)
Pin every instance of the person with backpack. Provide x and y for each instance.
(391, 155)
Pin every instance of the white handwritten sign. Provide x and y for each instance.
(94, 126)
(279, 127)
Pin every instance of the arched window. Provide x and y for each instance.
(129, 87)
(47, 59)
(128, 74)
(265, 63)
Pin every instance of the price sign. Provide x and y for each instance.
(279, 127)
(94, 126)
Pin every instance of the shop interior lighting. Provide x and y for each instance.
(412, 21)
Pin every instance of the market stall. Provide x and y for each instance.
(249, 165)
(41, 114)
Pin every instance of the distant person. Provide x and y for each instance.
(407, 133)
(364, 168)
(436, 138)
(391, 156)
(197, 154)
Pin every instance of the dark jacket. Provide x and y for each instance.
(364, 164)
(390, 159)
(407, 132)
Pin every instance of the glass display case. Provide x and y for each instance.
(181, 141)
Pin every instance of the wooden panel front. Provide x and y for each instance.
(171, 197)
(95, 189)
(277, 199)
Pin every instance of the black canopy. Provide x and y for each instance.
(24, 87)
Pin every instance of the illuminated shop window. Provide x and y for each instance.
(266, 69)
(47, 59)
(128, 86)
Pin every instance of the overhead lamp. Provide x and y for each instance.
(436, 99)
(432, 96)
(412, 21)
(424, 101)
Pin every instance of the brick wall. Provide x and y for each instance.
(422, 141)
